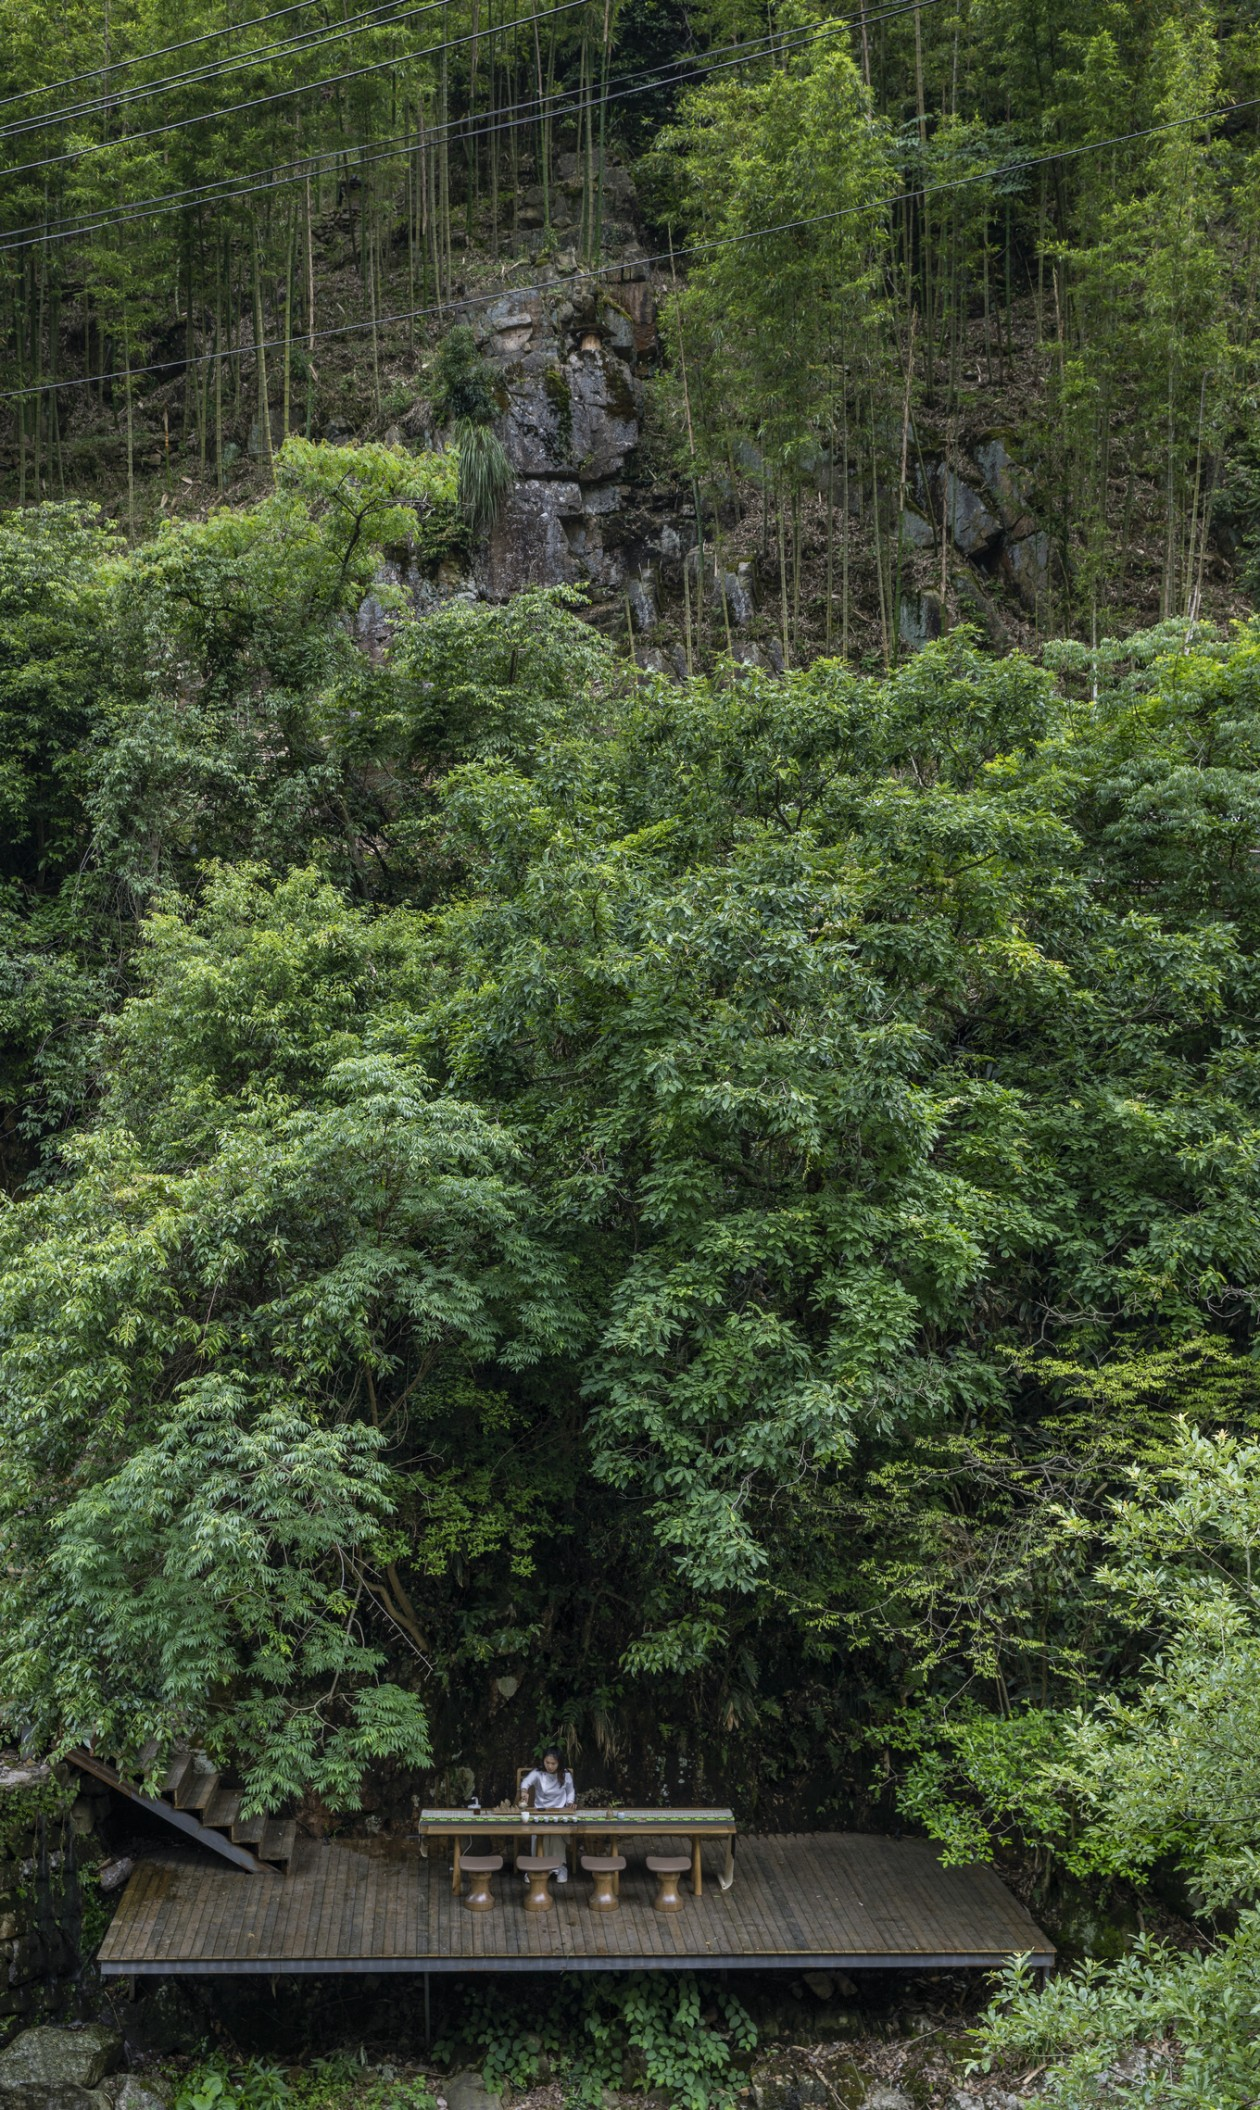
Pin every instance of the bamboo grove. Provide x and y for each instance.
(883, 222)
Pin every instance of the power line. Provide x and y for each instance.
(663, 256)
(163, 51)
(373, 17)
(306, 40)
(279, 95)
(533, 110)
(206, 36)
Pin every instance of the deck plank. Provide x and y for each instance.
(155, 1882)
(269, 1914)
(766, 1922)
(144, 1890)
(168, 1916)
(382, 1920)
(342, 1907)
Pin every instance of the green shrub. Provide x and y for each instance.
(641, 2029)
(218, 2086)
(464, 384)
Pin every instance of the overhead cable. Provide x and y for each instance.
(110, 100)
(662, 256)
(530, 111)
(383, 15)
(163, 51)
(277, 95)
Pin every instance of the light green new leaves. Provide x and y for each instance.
(1167, 1769)
(1162, 2029)
(1173, 1766)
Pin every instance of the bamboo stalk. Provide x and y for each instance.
(260, 359)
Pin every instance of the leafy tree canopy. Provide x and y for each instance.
(726, 1177)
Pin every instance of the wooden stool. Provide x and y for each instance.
(538, 1870)
(481, 1867)
(604, 1869)
(667, 1868)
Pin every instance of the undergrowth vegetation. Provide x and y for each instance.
(609, 2031)
(588, 2037)
(338, 2082)
(714, 1219)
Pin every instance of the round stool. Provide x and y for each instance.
(481, 1867)
(667, 1868)
(538, 1870)
(604, 1869)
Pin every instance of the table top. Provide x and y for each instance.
(602, 1820)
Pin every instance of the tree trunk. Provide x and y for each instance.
(131, 434)
(783, 585)
(290, 260)
(260, 361)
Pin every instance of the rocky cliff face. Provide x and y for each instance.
(573, 360)
(583, 511)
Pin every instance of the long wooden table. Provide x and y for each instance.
(603, 1827)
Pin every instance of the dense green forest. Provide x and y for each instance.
(608, 1159)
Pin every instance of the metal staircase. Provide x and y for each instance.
(192, 1801)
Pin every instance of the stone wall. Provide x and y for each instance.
(48, 1837)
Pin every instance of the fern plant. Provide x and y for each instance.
(485, 475)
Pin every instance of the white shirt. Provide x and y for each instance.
(552, 1791)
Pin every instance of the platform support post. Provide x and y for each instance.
(428, 2017)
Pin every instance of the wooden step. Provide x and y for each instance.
(248, 1831)
(197, 1790)
(277, 1842)
(220, 1812)
(184, 1819)
(179, 1766)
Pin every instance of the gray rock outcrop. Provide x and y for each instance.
(52, 2058)
(72, 2069)
(1029, 560)
(51, 2095)
(126, 2091)
(570, 357)
(790, 2091)
(1005, 480)
(972, 526)
(467, 2091)
(920, 618)
(916, 532)
(985, 499)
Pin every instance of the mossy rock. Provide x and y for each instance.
(559, 394)
(59, 2058)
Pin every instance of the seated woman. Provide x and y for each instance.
(549, 1787)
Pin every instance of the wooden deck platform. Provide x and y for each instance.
(824, 1899)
